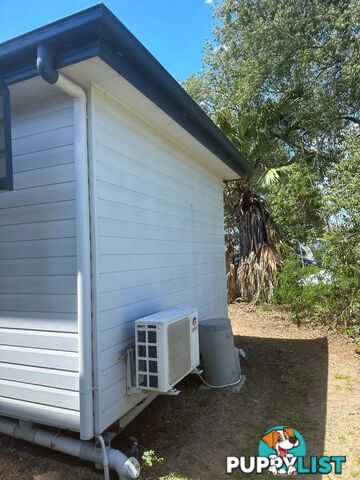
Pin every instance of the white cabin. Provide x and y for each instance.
(155, 167)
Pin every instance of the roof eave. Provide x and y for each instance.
(97, 32)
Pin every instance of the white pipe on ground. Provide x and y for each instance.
(126, 468)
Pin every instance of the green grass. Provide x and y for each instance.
(341, 376)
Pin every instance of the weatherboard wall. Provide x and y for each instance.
(158, 240)
(38, 321)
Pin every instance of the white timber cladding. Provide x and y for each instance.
(158, 240)
(38, 321)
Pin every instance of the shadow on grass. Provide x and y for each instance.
(194, 432)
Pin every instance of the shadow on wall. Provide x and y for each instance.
(194, 432)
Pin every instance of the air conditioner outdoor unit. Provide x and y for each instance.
(167, 348)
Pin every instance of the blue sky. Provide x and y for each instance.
(173, 30)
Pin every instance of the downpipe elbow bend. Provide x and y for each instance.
(44, 64)
(127, 468)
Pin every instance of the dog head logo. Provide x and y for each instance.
(281, 440)
(282, 445)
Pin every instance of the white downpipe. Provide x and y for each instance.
(126, 468)
(83, 254)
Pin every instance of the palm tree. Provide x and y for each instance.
(252, 240)
(253, 243)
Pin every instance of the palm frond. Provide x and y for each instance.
(272, 175)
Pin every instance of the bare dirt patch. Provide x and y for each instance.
(301, 376)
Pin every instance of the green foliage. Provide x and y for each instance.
(342, 191)
(338, 253)
(250, 133)
(341, 257)
(341, 376)
(280, 79)
(341, 260)
(289, 67)
(296, 204)
(317, 294)
(296, 287)
(149, 458)
(319, 248)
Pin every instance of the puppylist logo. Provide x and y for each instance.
(282, 451)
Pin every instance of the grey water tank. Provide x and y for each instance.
(219, 358)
